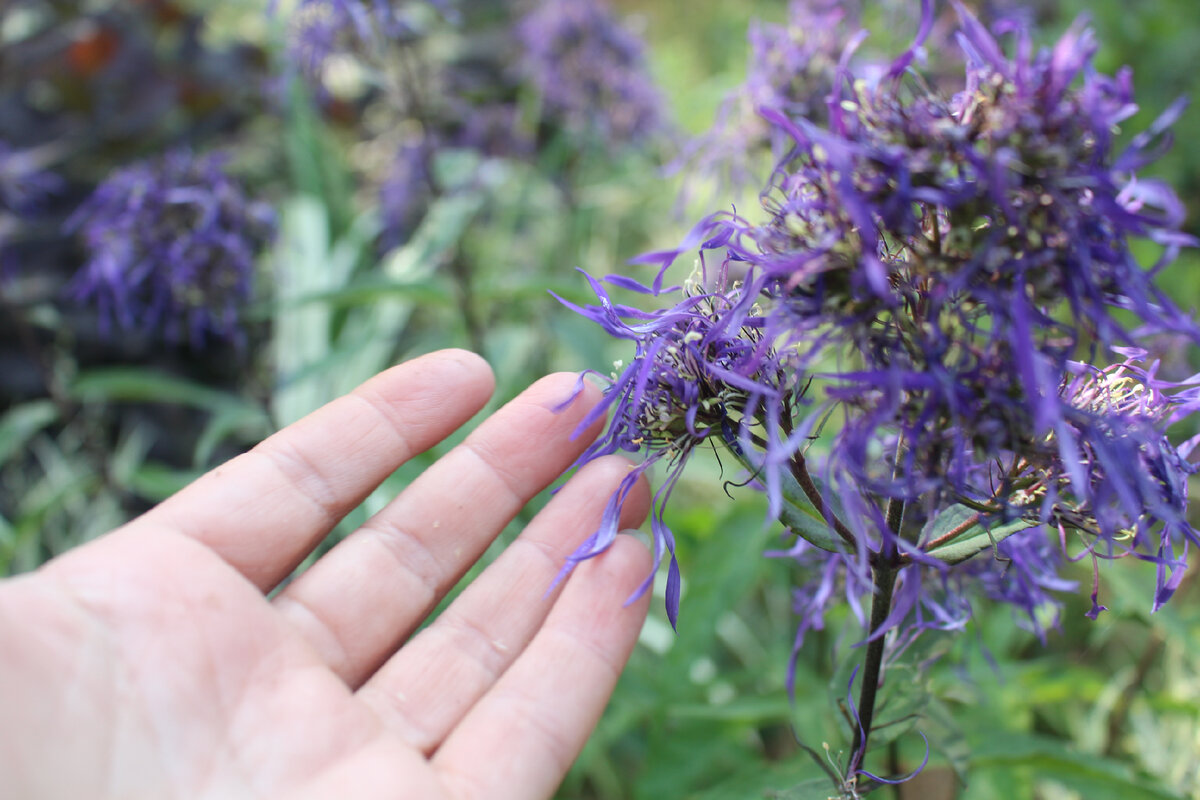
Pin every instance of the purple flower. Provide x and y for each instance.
(171, 246)
(699, 371)
(25, 186)
(325, 28)
(1123, 482)
(404, 194)
(929, 265)
(791, 67)
(589, 71)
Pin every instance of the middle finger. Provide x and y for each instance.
(423, 691)
(366, 596)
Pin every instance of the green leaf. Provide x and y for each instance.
(366, 291)
(129, 455)
(226, 422)
(155, 482)
(729, 546)
(318, 168)
(731, 551)
(946, 737)
(796, 778)
(138, 385)
(307, 262)
(815, 789)
(900, 705)
(751, 710)
(973, 539)
(1096, 777)
(367, 342)
(20, 424)
(803, 518)
(800, 514)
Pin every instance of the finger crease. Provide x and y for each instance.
(409, 553)
(398, 719)
(293, 464)
(397, 425)
(510, 482)
(486, 651)
(578, 642)
(524, 707)
(554, 558)
(319, 633)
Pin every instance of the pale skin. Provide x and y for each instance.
(151, 663)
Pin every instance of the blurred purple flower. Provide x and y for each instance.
(405, 194)
(791, 68)
(590, 71)
(324, 28)
(171, 246)
(25, 186)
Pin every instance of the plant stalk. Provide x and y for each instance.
(881, 606)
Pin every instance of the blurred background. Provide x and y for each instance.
(216, 216)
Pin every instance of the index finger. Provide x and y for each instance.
(265, 510)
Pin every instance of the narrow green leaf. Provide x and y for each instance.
(805, 520)
(156, 483)
(129, 454)
(19, 424)
(374, 289)
(798, 512)
(1097, 777)
(753, 710)
(134, 384)
(368, 340)
(225, 423)
(814, 789)
(947, 520)
(974, 538)
(318, 168)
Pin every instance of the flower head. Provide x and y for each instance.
(171, 246)
(933, 263)
(701, 371)
(590, 71)
(791, 67)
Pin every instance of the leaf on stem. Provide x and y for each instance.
(970, 538)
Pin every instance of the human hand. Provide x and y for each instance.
(150, 663)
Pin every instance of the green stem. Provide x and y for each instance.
(800, 473)
(881, 606)
(885, 569)
(894, 767)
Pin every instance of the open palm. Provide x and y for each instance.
(150, 663)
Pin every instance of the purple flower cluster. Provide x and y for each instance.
(590, 71)
(930, 266)
(403, 194)
(25, 186)
(325, 28)
(1022, 572)
(171, 247)
(791, 67)
(696, 371)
